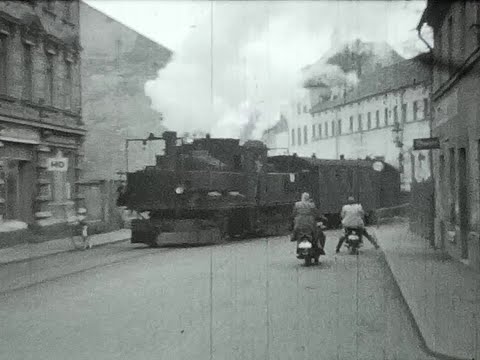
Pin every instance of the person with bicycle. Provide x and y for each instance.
(81, 228)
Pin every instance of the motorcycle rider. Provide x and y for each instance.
(305, 214)
(352, 217)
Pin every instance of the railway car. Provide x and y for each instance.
(375, 184)
(216, 189)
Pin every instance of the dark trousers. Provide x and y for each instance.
(364, 233)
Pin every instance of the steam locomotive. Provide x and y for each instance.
(215, 189)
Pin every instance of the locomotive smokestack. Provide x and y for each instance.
(170, 138)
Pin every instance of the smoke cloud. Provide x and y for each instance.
(242, 60)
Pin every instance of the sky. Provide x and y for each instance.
(238, 60)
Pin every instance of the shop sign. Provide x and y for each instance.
(57, 164)
(426, 143)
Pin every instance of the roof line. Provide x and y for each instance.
(370, 96)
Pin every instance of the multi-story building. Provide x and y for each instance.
(276, 137)
(40, 114)
(115, 67)
(380, 118)
(455, 97)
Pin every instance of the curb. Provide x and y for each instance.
(59, 252)
(413, 320)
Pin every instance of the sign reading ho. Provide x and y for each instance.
(426, 144)
(57, 164)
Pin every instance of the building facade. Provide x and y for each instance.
(40, 113)
(378, 119)
(456, 122)
(276, 137)
(115, 68)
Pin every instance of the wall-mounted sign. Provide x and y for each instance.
(426, 143)
(57, 164)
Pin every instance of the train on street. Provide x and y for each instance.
(212, 190)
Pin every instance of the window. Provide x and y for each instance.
(305, 135)
(299, 108)
(3, 64)
(360, 124)
(450, 45)
(339, 127)
(415, 110)
(451, 182)
(377, 118)
(478, 21)
(404, 113)
(305, 109)
(299, 137)
(49, 80)
(326, 129)
(386, 116)
(426, 111)
(313, 132)
(351, 123)
(319, 130)
(333, 128)
(68, 86)
(28, 72)
(369, 121)
(293, 137)
(463, 22)
(68, 11)
(395, 114)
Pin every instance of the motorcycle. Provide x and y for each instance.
(305, 249)
(353, 240)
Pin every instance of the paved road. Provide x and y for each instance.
(249, 300)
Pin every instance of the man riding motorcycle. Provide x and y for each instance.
(352, 218)
(305, 215)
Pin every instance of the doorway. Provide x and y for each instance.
(20, 188)
(463, 201)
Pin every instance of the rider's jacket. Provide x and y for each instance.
(305, 214)
(352, 216)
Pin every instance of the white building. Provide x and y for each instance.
(378, 119)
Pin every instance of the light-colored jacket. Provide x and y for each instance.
(305, 214)
(352, 216)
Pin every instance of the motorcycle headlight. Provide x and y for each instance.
(180, 190)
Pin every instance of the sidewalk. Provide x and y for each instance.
(30, 251)
(442, 294)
